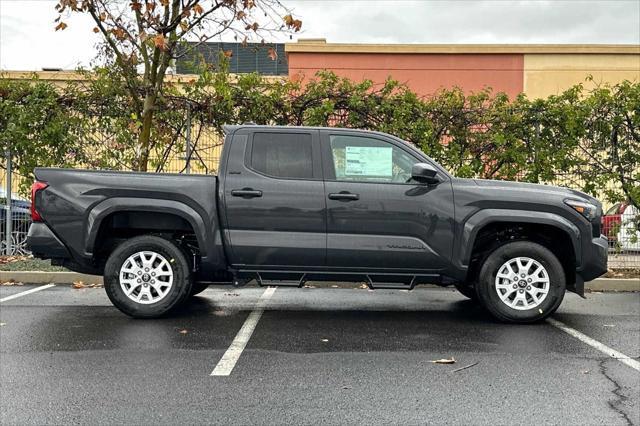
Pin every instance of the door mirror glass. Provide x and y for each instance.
(424, 173)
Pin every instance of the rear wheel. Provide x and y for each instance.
(147, 276)
(521, 282)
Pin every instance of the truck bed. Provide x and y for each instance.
(77, 202)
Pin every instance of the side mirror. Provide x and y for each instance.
(424, 173)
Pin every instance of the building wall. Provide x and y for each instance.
(425, 74)
(550, 74)
(537, 70)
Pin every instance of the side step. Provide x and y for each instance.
(283, 283)
(381, 285)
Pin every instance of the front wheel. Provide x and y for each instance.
(521, 282)
(147, 276)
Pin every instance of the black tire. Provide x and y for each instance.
(197, 288)
(488, 295)
(466, 290)
(178, 265)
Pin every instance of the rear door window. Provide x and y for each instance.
(283, 155)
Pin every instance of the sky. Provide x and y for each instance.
(28, 40)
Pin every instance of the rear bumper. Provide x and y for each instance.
(44, 244)
(594, 259)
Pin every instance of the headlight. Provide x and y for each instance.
(587, 210)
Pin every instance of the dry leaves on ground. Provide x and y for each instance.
(11, 259)
(11, 282)
(444, 361)
(80, 284)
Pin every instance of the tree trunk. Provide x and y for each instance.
(144, 140)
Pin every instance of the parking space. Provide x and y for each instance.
(313, 356)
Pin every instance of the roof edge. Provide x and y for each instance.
(321, 46)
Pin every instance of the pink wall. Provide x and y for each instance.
(423, 73)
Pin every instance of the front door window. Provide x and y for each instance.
(364, 159)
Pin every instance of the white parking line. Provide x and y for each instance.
(627, 360)
(231, 356)
(24, 293)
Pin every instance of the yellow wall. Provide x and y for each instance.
(550, 74)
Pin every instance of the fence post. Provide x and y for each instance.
(187, 168)
(8, 216)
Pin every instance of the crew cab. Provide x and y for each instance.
(293, 204)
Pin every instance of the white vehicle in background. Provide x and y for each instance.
(628, 235)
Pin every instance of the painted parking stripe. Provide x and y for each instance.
(24, 293)
(231, 356)
(625, 359)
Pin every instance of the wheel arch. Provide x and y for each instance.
(101, 213)
(554, 232)
(485, 218)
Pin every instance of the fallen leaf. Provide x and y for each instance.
(325, 340)
(346, 387)
(363, 286)
(11, 282)
(309, 286)
(80, 284)
(231, 294)
(608, 325)
(183, 331)
(334, 286)
(585, 371)
(444, 361)
(2, 324)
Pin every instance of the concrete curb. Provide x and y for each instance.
(38, 277)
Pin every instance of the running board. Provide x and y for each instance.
(381, 285)
(282, 283)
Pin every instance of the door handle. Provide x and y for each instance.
(246, 193)
(343, 196)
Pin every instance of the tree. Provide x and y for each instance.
(609, 148)
(143, 37)
(37, 127)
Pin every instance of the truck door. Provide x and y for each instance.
(377, 217)
(274, 198)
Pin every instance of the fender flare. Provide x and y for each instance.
(482, 218)
(124, 204)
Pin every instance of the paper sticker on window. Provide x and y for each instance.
(369, 161)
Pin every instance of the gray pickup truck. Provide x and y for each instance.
(293, 204)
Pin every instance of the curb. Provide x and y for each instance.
(38, 277)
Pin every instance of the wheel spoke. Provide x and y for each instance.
(138, 272)
(531, 288)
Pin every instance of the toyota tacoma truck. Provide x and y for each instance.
(293, 204)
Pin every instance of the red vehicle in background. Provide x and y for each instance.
(611, 220)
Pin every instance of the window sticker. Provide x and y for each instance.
(369, 161)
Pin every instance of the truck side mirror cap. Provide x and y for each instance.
(424, 173)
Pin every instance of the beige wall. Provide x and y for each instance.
(550, 74)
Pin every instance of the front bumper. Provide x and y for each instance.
(594, 259)
(44, 244)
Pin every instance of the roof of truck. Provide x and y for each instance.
(230, 128)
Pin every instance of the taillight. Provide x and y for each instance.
(37, 186)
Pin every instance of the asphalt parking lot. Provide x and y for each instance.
(314, 356)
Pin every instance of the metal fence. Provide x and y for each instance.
(201, 155)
